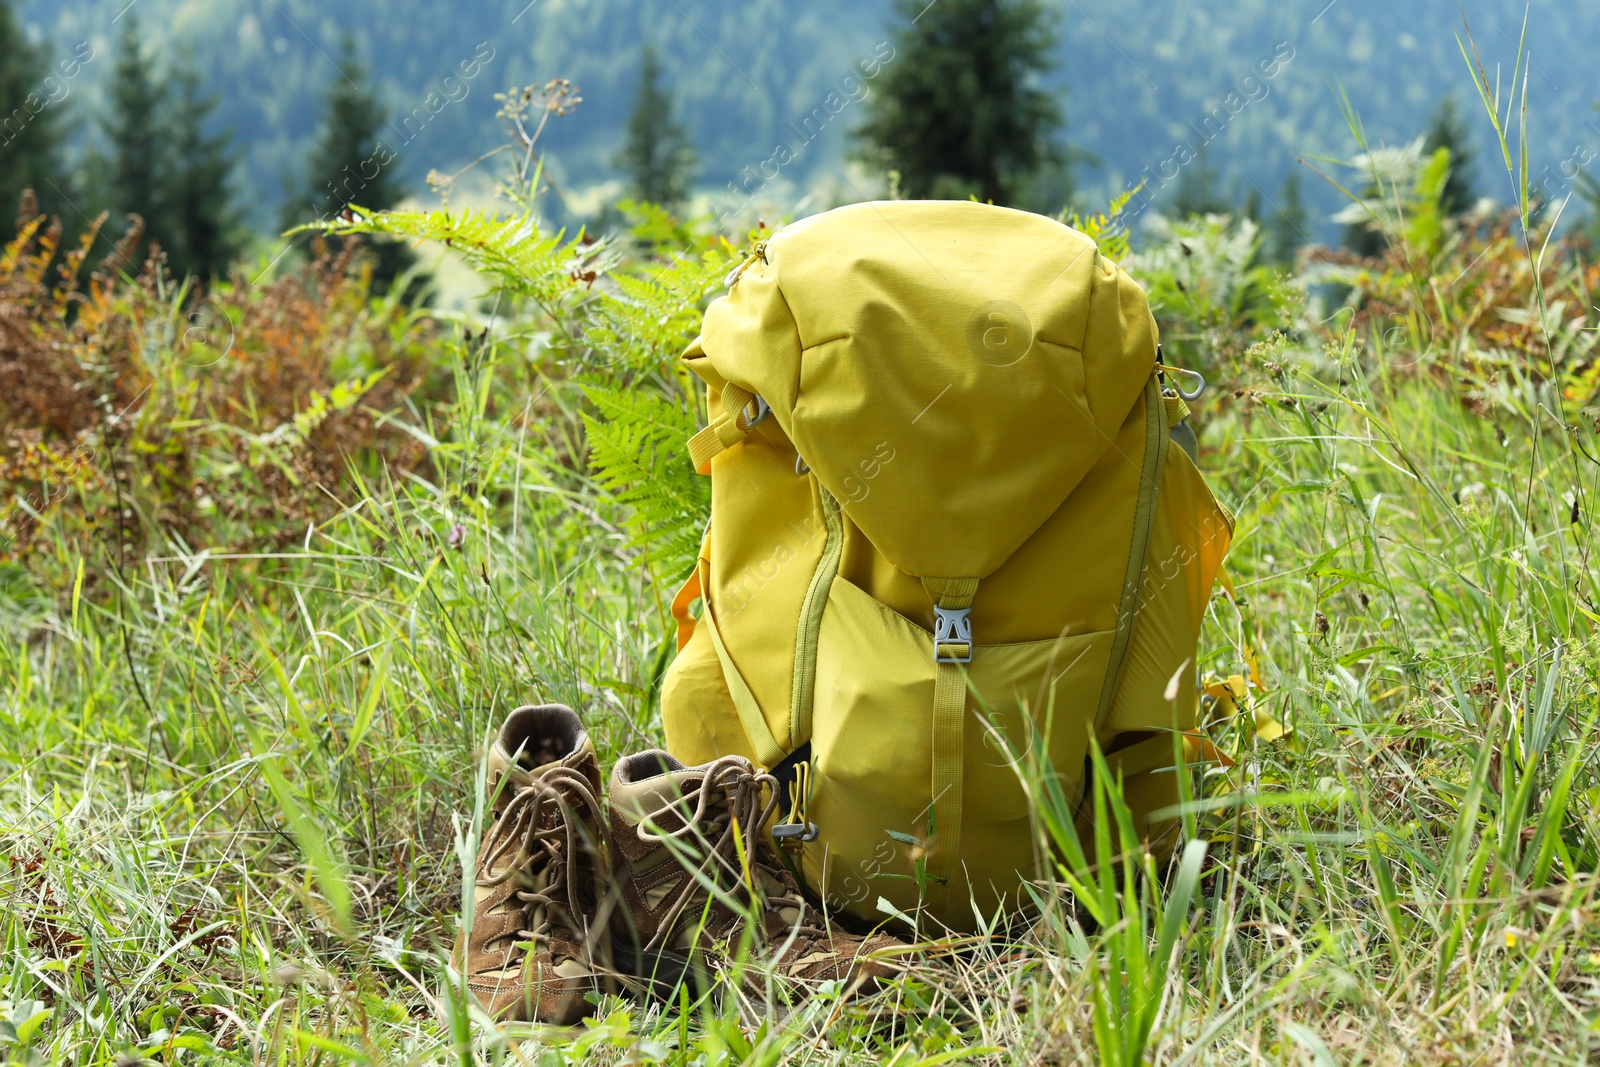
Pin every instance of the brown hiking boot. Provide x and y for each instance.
(675, 827)
(537, 945)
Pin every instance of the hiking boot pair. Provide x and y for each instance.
(670, 887)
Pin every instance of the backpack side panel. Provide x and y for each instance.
(767, 540)
(696, 709)
(1187, 545)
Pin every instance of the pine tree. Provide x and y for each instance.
(1447, 128)
(31, 127)
(136, 176)
(1286, 230)
(206, 234)
(657, 154)
(350, 165)
(956, 111)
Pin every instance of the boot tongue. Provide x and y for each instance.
(654, 787)
(646, 785)
(539, 882)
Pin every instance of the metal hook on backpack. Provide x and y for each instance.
(1200, 380)
(1162, 368)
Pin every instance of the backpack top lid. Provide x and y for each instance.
(995, 352)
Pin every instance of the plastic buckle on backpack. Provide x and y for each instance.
(952, 627)
(763, 409)
(795, 831)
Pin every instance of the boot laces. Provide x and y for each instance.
(539, 832)
(730, 804)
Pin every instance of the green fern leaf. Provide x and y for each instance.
(637, 451)
(512, 250)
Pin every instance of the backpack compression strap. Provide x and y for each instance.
(952, 649)
(741, 410)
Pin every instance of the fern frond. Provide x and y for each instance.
(511, 250)
(1108, 229)
(637, 450)
(645, 322)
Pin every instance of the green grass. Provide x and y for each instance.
(234, 791)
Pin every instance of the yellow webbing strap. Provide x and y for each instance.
(735, 398)
(709, 441)
(949, 730)
(1177, 410)
(727, 428)
(762, 742)
(800, 793)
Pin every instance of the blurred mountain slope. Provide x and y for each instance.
(1141, 78)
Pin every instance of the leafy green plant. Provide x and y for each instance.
(1107, 229)
(1211, 295)
(20, 1022)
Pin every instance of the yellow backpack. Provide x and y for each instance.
(946, 518)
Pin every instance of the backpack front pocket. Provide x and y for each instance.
(872, 753)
